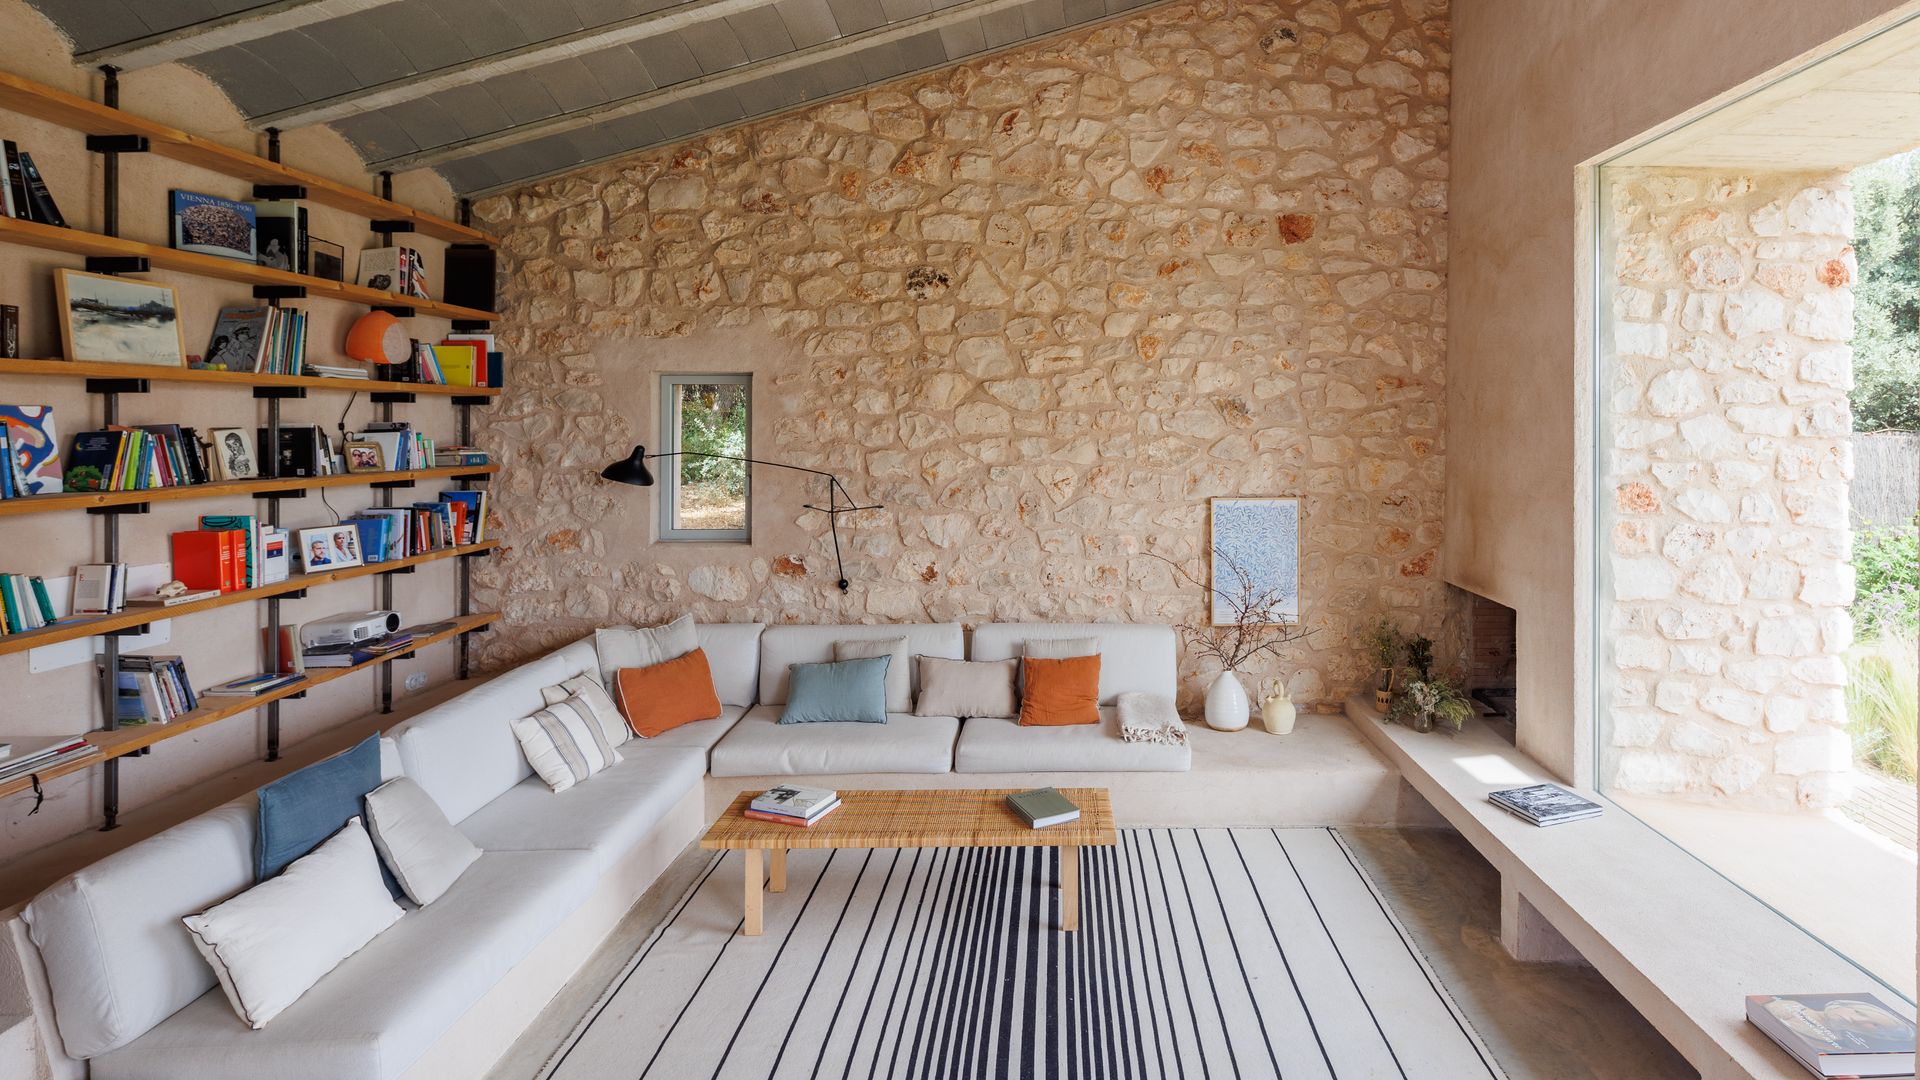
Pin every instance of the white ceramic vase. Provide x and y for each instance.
(1228, 708)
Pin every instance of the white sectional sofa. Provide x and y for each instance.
(119, 988)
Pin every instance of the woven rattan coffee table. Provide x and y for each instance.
(913, 819)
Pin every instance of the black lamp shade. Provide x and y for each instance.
(632, 470)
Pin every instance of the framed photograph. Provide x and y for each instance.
(232, 455)
(331, 547)
(119, 319)
(326, 259)
(210, 225)
(1253, 551)
(366, 457)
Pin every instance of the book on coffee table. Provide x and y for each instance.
(1042, 807)
(793, 805)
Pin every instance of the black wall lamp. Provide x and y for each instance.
(632, 469)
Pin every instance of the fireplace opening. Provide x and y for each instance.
(1492, 663)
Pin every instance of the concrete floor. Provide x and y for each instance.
(1542, 1021)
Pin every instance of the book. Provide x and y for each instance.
(239, 339)
(1835, 1035)
(783, 819)
(18, 205)
(39, 196)
(282, 234)
(33, 444)
(52, 752)
(172, 601)
(210, 225)
(203, 560)
(1544, 804)
(795, 802)
(252, 685)
(1043, 807)
(93, 589)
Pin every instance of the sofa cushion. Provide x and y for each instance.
(839, 692)
(118, 961)
(375, 1014)
(966, 688)
(701, 734)
(1133, 656)
(625, 646)
(1056, 692)
(463, 751)
(759, 745)
(607, 815)
(419, 846)
(783, 646)
(733, 655)
(301, 810)
(659, 698)
(991, 745)
(272, 943)
(1038, 648)
(586, 686)
(565, 743)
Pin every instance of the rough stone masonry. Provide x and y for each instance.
(1041, 306)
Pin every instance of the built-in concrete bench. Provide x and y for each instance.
(1681, 943)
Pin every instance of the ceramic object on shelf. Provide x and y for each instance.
(1228, 708)
(1277, 713)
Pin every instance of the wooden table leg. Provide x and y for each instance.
(1070, 887)
(777, 870)
(755, 873)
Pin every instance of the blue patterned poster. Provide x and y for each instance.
(1255, 555)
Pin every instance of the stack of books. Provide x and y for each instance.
(1544, 804)
(253, 685)
(793, 805)
(341, 656)
(136, 458)
(1852, 1035)
(20, 756)
(270, 340)
(153, 689)
(24, 603)
(25, 194)
(1043, 807)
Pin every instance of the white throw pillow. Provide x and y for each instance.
(586, 686)
(416, 841)
(899, 675)
(1060, 648)
(270, 944)
(645, 647)
(564, 743)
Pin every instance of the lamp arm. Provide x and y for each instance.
(835, 492)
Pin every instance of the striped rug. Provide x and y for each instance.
(1241, 953)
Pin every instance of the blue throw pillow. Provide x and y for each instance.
(300, 810)
(846, 692)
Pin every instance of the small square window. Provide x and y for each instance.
(706, 420)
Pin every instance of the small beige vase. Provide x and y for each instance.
(1277, 713)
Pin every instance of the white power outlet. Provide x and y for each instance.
(416, 682)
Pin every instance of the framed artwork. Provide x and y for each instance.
(330, 547)
(1253, 548)
(119, 319)
(366, 457)
(232, 455)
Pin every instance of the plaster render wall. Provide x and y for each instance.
(1726, 371)
(1042, 307)
(216, 646)
(1539, 90)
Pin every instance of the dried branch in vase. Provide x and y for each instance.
(1260, 623)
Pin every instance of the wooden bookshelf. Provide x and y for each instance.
(71, 111)
(126, 740)
(75, 627)
(78, 242)
(84, 500)
(101, 369)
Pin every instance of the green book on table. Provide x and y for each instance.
(1043, 807)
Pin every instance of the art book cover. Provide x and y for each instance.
(1545, 801)
(211, 225)
(239, 335)
(90, 464)
(1837, 1034)
(35, 447)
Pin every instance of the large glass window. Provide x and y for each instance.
(705, 420)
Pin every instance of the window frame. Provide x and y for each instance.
(669, 474)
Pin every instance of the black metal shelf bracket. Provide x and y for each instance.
(118, 264)
(392, 397)
(389, 484)
(120, 508)
(283, 493)
(279, 292)
(468, 478)
(128, 631)
(279, 393)
(118, 144)
(117, 386)
(398, 311)
(475, 555)
(293, 594)
(408, 569)
(470, 326)
(467, 401)
(388, 226)
(279, 191)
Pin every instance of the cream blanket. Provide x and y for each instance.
(1150, 718)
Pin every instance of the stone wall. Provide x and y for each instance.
(1042, 307)
(1729, 459)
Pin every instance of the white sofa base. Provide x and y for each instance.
(488, 1030)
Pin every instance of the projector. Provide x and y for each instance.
(348, 628)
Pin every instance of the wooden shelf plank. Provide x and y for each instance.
(79, 114)
(75, 627)
(81, 500)
(122, 741)
(102, 369)
(77, 242)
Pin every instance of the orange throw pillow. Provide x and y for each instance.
(1061, 691)
(662, 697)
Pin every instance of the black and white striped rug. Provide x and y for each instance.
(1202, 953)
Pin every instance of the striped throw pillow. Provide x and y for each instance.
(565, 743)
(586, 686)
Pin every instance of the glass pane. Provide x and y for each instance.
(712, 493)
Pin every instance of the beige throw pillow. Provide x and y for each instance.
(586, 686)
(1060, 648)
(644, 647)
(899, 676)
(966, 688)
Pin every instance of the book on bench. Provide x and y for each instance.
(1851, 1035)
(790, 805)
(1043, 807)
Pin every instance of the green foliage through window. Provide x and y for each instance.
(1886, 337)
(1886, 566)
